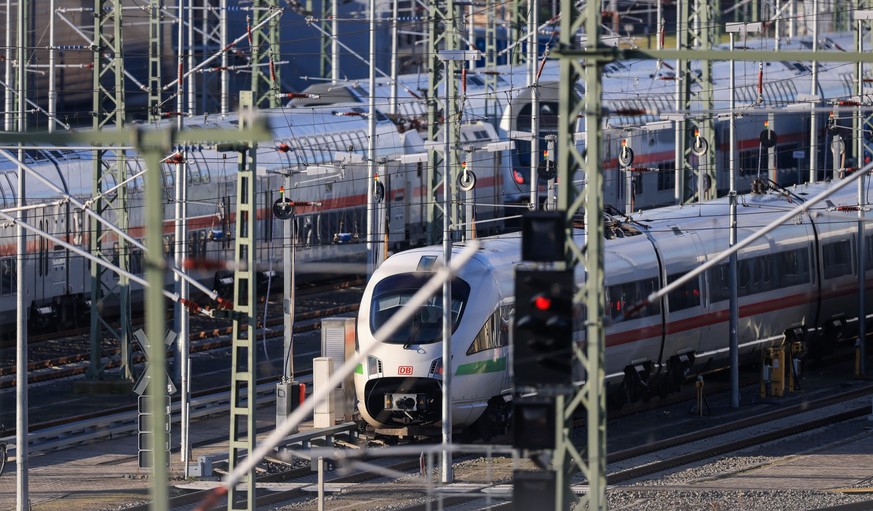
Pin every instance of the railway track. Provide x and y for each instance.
(734, 436)
(399, 484)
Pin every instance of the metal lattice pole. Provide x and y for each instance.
(442, 34)
(244, 353)
(264, 54)
(109, 168)
(591, 395)
(699, 34)
(155, 39)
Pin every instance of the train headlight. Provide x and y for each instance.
(436, 368)
(374, 366)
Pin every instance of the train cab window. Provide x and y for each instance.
(623, 296)
(7, 276)
(426, 326)
(685, 296)
(494, 333)
(836, 259)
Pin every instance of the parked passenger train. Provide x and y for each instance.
(324, 149)
(502, 97)
(802, 274)
(309, 142)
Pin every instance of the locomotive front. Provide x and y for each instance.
(400, 383)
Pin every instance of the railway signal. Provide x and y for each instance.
(543, 328)
(533, 423)
(145, 420)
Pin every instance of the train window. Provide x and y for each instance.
(194, 173)
(426, 325)
(623, 296)
(34, 155)
(759, 275)
(685, 296)
(868, 257)
(136, 261)
(494, 333)
(750, 162)
(193, 246)
(719, 283)
(666, 176)
(7, 276)
(836, 259)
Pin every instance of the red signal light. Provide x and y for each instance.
(542, 303)
(517, 176)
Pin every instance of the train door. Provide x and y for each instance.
(635, 333)
(838, 259)
(394, 204)
(684, 306)
(57, 265)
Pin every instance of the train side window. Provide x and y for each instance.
(7, 276)
(719, 282)
(494, 333)
(766, 267)
(795, 267)
(868, 253)
(622, 296)
(193, 246)
(836, 259)
(194, 176)
(485, 339)
(136, 261)
(666, 173)
(685, 296)
(746, 277)
(169, 245)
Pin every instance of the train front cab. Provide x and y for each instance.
(399, 387)
(400, 383)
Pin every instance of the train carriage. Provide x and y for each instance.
(801, 275)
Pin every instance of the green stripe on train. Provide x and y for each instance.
(485, 366)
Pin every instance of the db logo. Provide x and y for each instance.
(404, 370)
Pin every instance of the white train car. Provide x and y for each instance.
(804, 273)
(324, 149)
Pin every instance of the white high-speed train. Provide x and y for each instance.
(322, 143)
(804, 272)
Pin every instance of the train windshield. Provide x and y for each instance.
(426, 325)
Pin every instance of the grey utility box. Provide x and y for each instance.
(338, 343)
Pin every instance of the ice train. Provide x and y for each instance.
(321, 143)
(803, 274)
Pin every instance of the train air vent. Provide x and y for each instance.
(677, 231)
